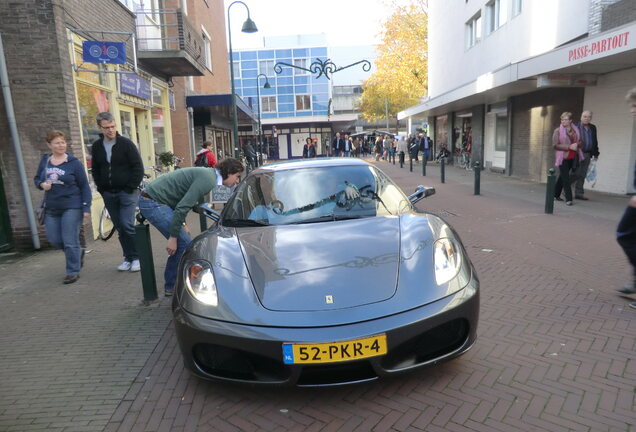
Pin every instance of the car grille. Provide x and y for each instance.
(235, 364)
(428, 347)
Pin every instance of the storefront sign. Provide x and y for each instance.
(135, 85)
(566, 80)
(600, 46)
(104, 52)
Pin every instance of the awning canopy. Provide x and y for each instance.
(221, 104)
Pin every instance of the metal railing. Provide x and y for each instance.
(168, 30)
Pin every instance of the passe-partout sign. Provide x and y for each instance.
(599, 46)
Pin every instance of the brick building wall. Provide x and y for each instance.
(534, 118)
(617, 14)
(211, 16)
(41, 83)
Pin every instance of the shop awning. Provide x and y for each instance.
(223, 103)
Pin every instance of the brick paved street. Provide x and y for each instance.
(555, 348)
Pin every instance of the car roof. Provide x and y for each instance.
(312, 163)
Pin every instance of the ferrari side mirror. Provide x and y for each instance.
(420, 193)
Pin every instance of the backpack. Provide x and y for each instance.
(202, 159)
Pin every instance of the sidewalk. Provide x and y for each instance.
(555, 348)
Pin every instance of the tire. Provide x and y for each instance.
(106, 227)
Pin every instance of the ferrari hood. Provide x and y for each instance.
(323, 266)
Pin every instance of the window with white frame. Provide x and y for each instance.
(236, 67)
(300, 63)
(207, 48)
(266, 67)
(303, 102)
(496, 14)
(516, 7)
(268, 104)
(473, 30)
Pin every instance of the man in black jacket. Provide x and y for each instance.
(118, 170)
(590, 150)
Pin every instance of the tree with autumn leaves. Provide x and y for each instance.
(401, 66)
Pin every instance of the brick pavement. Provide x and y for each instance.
(555, 348)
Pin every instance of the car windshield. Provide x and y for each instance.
(312, 195)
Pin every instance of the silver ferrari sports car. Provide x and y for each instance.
(322, 272)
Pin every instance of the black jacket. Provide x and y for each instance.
(309, 151)
(125, 170)
(594, 150)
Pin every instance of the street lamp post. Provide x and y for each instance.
(248, 27)
(260, 132)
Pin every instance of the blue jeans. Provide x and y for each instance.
(62, 231)
(626, 235)
(121, 207)
(160, 216)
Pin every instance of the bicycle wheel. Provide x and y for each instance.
(106, 227)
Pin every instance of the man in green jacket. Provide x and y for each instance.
(166, 202)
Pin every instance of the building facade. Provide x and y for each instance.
(54, 83)
(501, 72)
(298, 101)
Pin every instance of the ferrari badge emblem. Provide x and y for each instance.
(329, 299)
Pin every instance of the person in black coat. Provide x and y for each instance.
(590, 151)
(117, 170)
(309, 149)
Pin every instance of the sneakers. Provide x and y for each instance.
(568, 203)
(133, 266)
(628, 289)
(125, 266)
(632, 305)
(69, 279)
(168, 292)
(558, 198)
(581, 197)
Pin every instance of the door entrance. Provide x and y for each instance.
(134, 126)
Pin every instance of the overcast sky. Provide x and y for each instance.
(345, 22)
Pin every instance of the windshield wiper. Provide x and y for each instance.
(328, 218)
(238, 223)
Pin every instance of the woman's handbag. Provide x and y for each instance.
(41, 210)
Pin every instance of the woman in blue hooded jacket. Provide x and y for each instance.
(67, 200)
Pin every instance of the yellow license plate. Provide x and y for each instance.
(331, 352)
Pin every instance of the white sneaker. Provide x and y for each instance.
(125, 266)
(135, 266)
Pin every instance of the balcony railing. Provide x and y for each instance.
(168, 43)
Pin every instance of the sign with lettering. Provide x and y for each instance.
(221, 193)
(135, 85)
(599, 46)
(566, 80)
(104, 52)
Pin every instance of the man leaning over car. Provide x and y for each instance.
(167, 200)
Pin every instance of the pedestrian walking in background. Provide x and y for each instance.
(626, 230)
(378, 148)
(309, 149)
(205, 157)
(590, 151)
(117, 171)
(566, 140)
(166, 201)
(402, 148)
(338, 145)
(67, 199)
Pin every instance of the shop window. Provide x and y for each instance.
(303, 102)
(473, 30)
(501, 132)
(158, 130)
(91, 101)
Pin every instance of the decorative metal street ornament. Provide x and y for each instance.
(326, 67)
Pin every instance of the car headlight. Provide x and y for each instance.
(448, 260)
(200, 282)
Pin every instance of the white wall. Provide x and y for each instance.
(616, 140)
(541, 26)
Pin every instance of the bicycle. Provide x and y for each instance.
(106, 226)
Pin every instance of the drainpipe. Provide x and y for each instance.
(192, 139)
(8, 103)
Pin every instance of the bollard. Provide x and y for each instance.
(442, 170)
(401, 159)
(549, 193)
(144, 248)
(477, 168)
(393, 157)
(411, 164)
(424, 167)
(203, 221)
